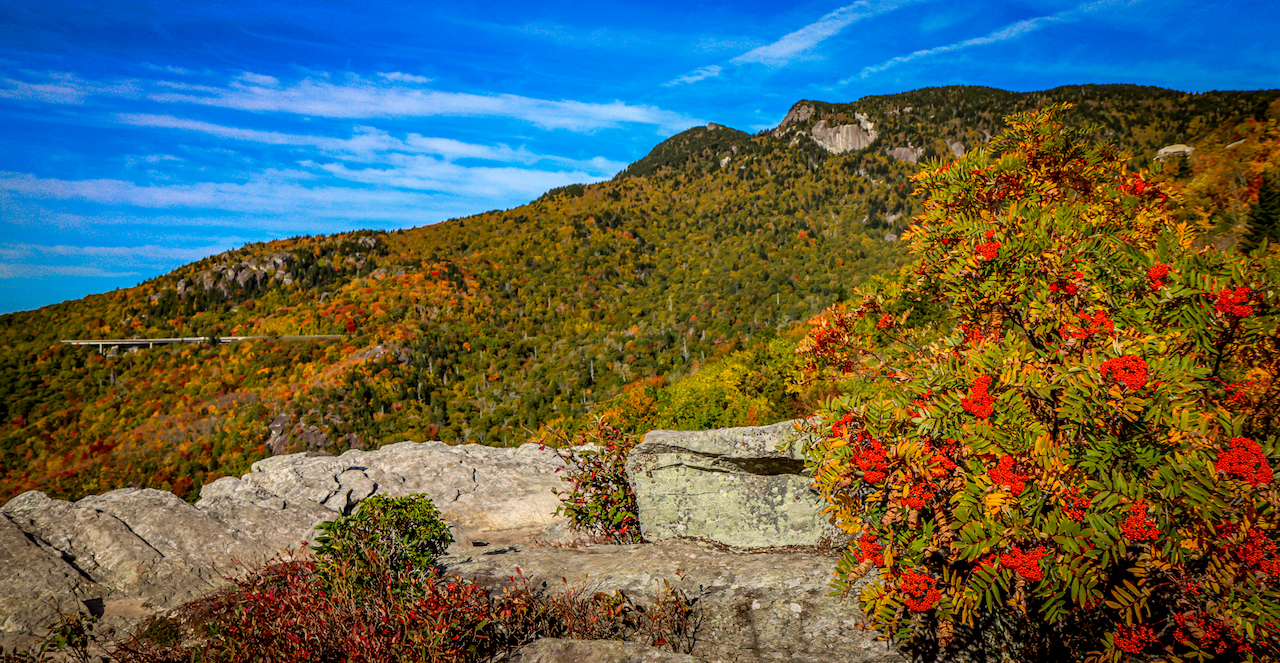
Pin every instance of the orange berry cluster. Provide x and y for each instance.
(1134, 640)
(1129, 370)
(1245, 461)
(1074, 505)
(920, 589)
(1025, 564)
(1004, 475)
(1157, 274)
(979, 403)
(1137, 527)
(1235, 302)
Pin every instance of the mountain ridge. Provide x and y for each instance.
(488, 327)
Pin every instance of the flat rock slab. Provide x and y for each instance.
(753, 607)
(743, 487)
(131, 553)
(558, 650)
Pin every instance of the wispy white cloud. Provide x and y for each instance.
(795, 44)
(696, 75)
(1006, 33)
(426, 173)
(416, 189)
(61, 88)
(361, 98)
(147, 254)
(10, 270)
(394, 95)
(263, 194)
(251, 79)
(400, 77)
(369, 142)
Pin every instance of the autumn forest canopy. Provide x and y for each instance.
(671, 296)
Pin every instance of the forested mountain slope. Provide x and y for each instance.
(478, 329)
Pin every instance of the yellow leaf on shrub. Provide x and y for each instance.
(995, 501)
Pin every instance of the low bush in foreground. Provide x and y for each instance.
(1076, 464)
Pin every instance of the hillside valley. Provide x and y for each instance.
(669, 296)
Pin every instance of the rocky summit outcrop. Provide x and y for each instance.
(742, 487)
(750, 607)
(834, 138)
(845, 137)
(132, 552)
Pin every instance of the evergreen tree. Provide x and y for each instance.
(1264, 215)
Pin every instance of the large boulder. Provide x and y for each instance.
(751, 607)
(742, 487)
(486, 493)
(37, 584)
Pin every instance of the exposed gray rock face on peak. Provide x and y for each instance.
(132, 552)
(753, 608)
(736, 486)
(845, 137)
(836, 139)
(908, 154)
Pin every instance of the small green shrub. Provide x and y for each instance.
(400, 533)
(599, 500)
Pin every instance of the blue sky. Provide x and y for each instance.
(137, 135)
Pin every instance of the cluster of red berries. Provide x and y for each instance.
(989, 248)
(1137, 527)
(940, 463)
(972, 334)
(1259, 552)
(1157, 274)
(1025, 564)
(1129, 370)
(1063, 286)
(1074, 505)
(1235, 302)
(885, 322)
(921, 591)
(1199, 630)
(1134, 640)
(840, 427)
(1245, 461)
(979, 403)
(919, 494)
(1236, 393)
(871, 459)
(1004, 475)
(1098, 323)
(868, 549)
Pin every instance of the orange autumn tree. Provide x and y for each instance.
(1075, 462)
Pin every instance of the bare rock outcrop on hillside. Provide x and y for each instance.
(836, 139)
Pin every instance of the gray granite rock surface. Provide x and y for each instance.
(131, 553)
(753, 607)
(742, 487)
(558, 650)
